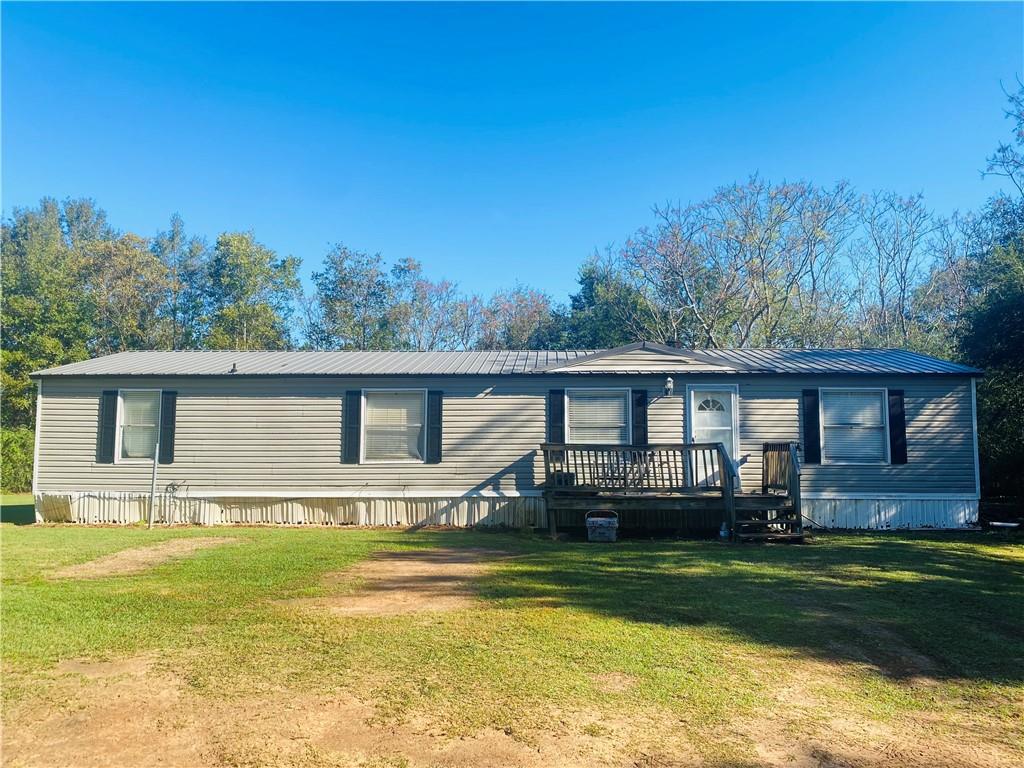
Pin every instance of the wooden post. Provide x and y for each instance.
(794, 486)
(728, 488)
(551, 468)
(152, 487)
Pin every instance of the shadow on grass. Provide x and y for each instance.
(18, 513)
(914, 607)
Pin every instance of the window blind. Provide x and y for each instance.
(599, 417)
(853, 426)
(393, 426)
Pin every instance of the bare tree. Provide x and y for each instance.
(428, 315)
(512, 318)
(1008, 159)
(889, 261)
(756, 264)
(465, 318)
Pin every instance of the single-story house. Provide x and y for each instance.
(881, 438)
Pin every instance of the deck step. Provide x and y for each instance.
(762, 502)
(768, 522)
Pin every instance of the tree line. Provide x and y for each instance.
(757, 263)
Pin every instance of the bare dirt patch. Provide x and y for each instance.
(138, 559)
(140, 712)
(613, 682)
(124, 713)
(393, 583)
(136, 666)
(137, 712)
(820, 730)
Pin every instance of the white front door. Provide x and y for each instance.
(712, 420)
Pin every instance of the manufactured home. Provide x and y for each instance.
(673, 438)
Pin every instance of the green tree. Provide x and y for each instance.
(353, 307)
(127, 285)
(993, 340)
(609, 309)
(250, 295)
(47, 315)
(16, 452)
(182, 303)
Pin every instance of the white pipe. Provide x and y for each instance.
(152, 487)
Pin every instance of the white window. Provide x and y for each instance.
(393, 425)
(598, 416)
(139, 423)
(854, 427)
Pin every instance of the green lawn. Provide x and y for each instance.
(893, 632)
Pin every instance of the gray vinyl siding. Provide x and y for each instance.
(282, 434)
(940, 445)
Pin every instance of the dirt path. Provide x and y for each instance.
(132, 713)
(138, 713)
(129, 561)
(417, 581)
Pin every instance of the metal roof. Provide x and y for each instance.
(490, 363)
(846, 361)
(213, 363)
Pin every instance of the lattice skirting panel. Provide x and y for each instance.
(890, 513)
(130, 508)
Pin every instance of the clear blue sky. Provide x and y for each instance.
(494, 143)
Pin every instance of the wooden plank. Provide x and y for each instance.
(728, 490)
(705, 522)
(552, 518)
(679, 506)
(794, 484)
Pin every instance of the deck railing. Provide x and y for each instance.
(643, 469)
(631, 472)
(779, 466)
(667, 468)
(780, 471)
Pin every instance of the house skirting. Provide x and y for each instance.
(496, 509)
(889, 512)
(400, 509)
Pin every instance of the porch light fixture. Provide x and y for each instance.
(670, 386)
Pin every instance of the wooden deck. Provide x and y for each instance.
(686, 488)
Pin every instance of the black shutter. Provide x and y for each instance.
(897, 428)
(351, 420)
(812, 427)
(435, 400)
(106, 434)
(168, 416)
(639, 435)
(556, 416)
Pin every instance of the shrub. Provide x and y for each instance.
(16, 454)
